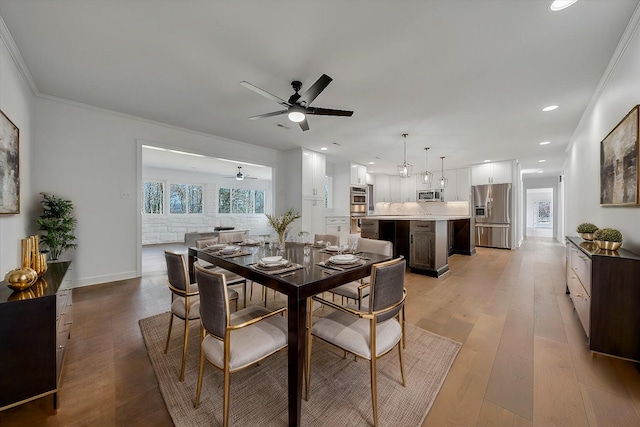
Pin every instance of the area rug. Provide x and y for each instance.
(340, 390)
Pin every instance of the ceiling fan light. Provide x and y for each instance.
(239, 177)
(296, 116)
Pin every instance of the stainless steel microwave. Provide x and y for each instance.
(436, 195)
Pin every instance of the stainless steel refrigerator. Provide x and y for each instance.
(492, 207)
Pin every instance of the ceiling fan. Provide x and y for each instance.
(240, 176)
(297, 107)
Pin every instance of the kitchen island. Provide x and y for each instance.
(426, 241)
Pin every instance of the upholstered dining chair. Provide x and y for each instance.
(370, 333)
(331, 238)
(232, 279)
(233, 341)
(358, 290)
(232, 236)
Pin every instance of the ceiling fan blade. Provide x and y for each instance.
(315, 89)
(266, 94)
(304, 125)
(328, 112)
(262, 116)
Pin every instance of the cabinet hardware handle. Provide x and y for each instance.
(69, 323)
(60, 347)
(580, 295)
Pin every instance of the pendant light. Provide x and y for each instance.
(426, 176)
(442, 181)
(404, 170)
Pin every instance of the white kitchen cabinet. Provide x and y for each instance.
(394, 189)
(407, 189)
(338, 226)
(381, 188)
(312, 215)
(457, 186)
(492, 173)
(313, 173)
(358, 174)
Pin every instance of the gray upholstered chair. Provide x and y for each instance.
(358, 290)
(185, 302)
(232, 236)
(233, 341)
(369, 333)
(232, 279)
(331, 238)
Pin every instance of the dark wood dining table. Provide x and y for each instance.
(307, 281)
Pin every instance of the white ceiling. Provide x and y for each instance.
(468, 78)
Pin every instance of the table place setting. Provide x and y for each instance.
(225, 251)
(342, 262)
(276, 265)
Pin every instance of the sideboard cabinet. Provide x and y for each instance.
(605, 289)
(34, 330)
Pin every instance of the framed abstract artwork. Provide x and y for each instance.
(9, 166)
(619, 163)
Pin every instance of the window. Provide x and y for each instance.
(240, 201)
(152, 197)
(185, 199)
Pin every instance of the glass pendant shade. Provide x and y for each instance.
(442, 181)
(426, 177)
(405, 169)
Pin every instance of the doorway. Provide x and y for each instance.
(539, 218)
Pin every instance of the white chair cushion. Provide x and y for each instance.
(248, 344)
(178, 307)
(352, 333)
(350, 290)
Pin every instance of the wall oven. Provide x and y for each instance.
(358, 202)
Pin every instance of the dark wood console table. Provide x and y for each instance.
(605, 289)
(34, 329)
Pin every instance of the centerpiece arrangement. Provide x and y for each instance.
(280, 224)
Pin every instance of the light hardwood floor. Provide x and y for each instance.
(524, 359)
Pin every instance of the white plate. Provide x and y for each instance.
(228, 250)
(271, 259)
(280, 263)
(343, 259)
(333, 248)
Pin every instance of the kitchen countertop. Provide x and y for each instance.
(417, 217)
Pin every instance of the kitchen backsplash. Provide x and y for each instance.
(426, 208)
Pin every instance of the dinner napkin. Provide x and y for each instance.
(290, 267)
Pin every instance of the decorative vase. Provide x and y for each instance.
(281, 243)
(586, 236)
(607, 245)
(20, 279)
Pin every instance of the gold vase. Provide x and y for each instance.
(20, 279)
(607, 245)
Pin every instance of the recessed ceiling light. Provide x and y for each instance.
(539, 172)
(545, 142)
(550, 108)
(323, 148)
(372, 163)
(541, 161)
(487, 161)
(561, 4)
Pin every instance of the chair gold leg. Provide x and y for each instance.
(200, 370)
(225, 399)
(184, 345)
(244, 294)
(404, 383)
(374, 390)
(166, 346)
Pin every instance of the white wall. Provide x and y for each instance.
(91, 157)
(16, 101)
(620, 92)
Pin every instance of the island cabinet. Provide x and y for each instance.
(34, 331)
(429, 251)
(604, 287)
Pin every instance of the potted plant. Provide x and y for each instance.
(586, 230)
(608, 238)
(57, 224)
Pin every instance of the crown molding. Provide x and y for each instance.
(8, 41)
